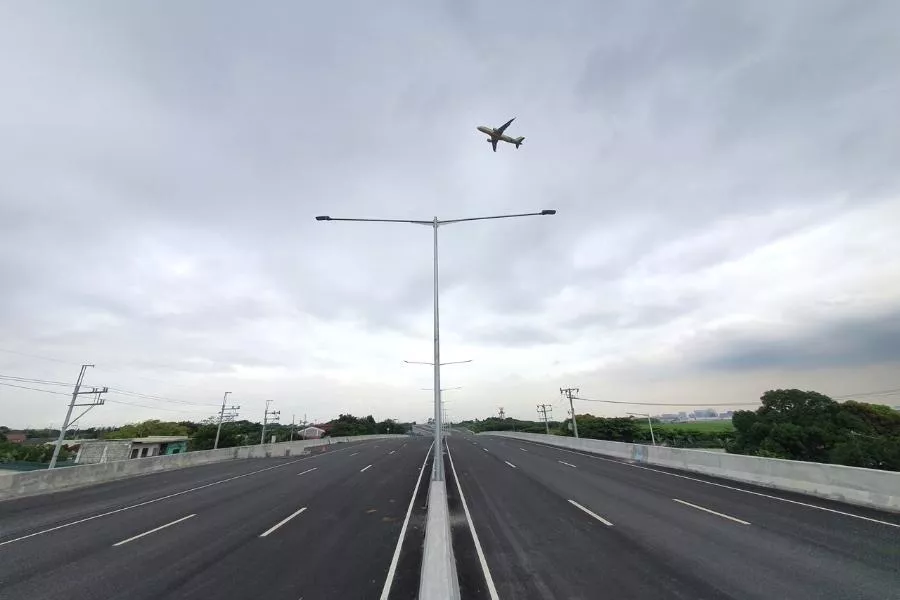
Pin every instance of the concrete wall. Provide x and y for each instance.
(865, 487)
(45, 481)
(94, 452)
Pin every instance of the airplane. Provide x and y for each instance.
(496, 135)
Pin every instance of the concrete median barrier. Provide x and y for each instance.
(854, 485)
(46, 481)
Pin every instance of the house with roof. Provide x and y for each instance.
(101, 451)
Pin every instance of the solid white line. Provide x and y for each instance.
(712, 512)
(721, 485)
(590, 512)
(308, 471)
(364, 469)
(188, 491)
(510, 464)
(392, 451)
(386, 590)
(492, 589)
(140, 535)
(282, 522)
(485, 449)
(523, 449)
(567, 464)
(354, 454)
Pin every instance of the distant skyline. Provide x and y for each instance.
(725, 175)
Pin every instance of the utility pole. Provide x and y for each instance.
(269, 413)
(231, 414)
(570, 393)
(542, 410)
(72, 404)
(293, 420)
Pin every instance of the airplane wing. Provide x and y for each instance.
(494, 143)
(503, 127)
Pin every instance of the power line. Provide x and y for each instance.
(65, 362)
(892, 392)
(175, 410)
(664, 404)
(160, 398)
(22, 387)
(31, 380)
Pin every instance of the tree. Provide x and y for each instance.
(147, 428)
(806, 425)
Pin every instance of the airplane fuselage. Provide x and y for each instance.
(492, 133)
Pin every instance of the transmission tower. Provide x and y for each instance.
(502, 414)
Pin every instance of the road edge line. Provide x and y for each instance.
(395, 559)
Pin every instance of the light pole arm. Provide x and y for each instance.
(543, 213)
(408, 221)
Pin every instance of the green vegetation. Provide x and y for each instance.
(803, 425)
(201, 435)
(711, 434)
(146, 429)
(40, 453)
(790, 424)
(704, 426)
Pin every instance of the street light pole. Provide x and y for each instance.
(434, 223)
(438, 469)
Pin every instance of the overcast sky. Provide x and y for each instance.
(727, 176)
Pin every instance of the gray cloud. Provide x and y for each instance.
(860, 341)
(519, 336)
(162, 168)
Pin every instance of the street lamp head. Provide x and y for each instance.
(548, 211)
(323, 218)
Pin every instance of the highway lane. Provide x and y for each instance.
(319, 527)
(556, 524)
(22, 515)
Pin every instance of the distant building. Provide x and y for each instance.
(102, 451)
(15, 437)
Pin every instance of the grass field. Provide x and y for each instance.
(705, 426)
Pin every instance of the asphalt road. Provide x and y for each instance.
(325, 525)
(558, 524)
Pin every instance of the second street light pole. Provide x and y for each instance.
(438, 469)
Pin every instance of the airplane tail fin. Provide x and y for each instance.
(519, 141)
